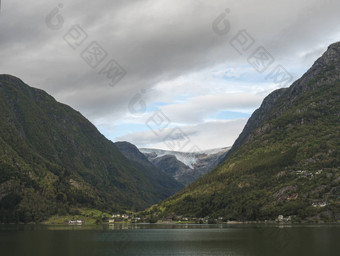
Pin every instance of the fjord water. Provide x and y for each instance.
(119, 239)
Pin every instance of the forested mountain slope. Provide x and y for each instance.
(286, 161)
(52, 160)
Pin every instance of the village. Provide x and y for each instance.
(171, 219)
(118, 218)
(127, 218)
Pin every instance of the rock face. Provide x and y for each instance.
(285, 162)
(53, 160)
(185, 167)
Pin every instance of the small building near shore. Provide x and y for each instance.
(76, 222)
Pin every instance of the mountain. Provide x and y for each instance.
(185, 167)
(53, 160)
(285, 162)
(164, 182)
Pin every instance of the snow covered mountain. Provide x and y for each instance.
(183, 166)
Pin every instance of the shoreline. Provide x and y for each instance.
(178, 224)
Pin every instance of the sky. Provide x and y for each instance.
(180, 75)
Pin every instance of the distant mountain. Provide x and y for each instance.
(185, 167)
(163, 180)
(285, 162)
(53, 160)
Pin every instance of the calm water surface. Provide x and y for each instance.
(145, 239)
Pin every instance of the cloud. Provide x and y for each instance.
(167, 47)
(197, 109)
(207, 135)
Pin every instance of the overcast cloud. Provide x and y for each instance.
(175, 62)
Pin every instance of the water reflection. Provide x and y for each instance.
(169, 239)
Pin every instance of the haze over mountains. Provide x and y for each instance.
(285, 162)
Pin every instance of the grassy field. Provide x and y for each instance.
(90, 216)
